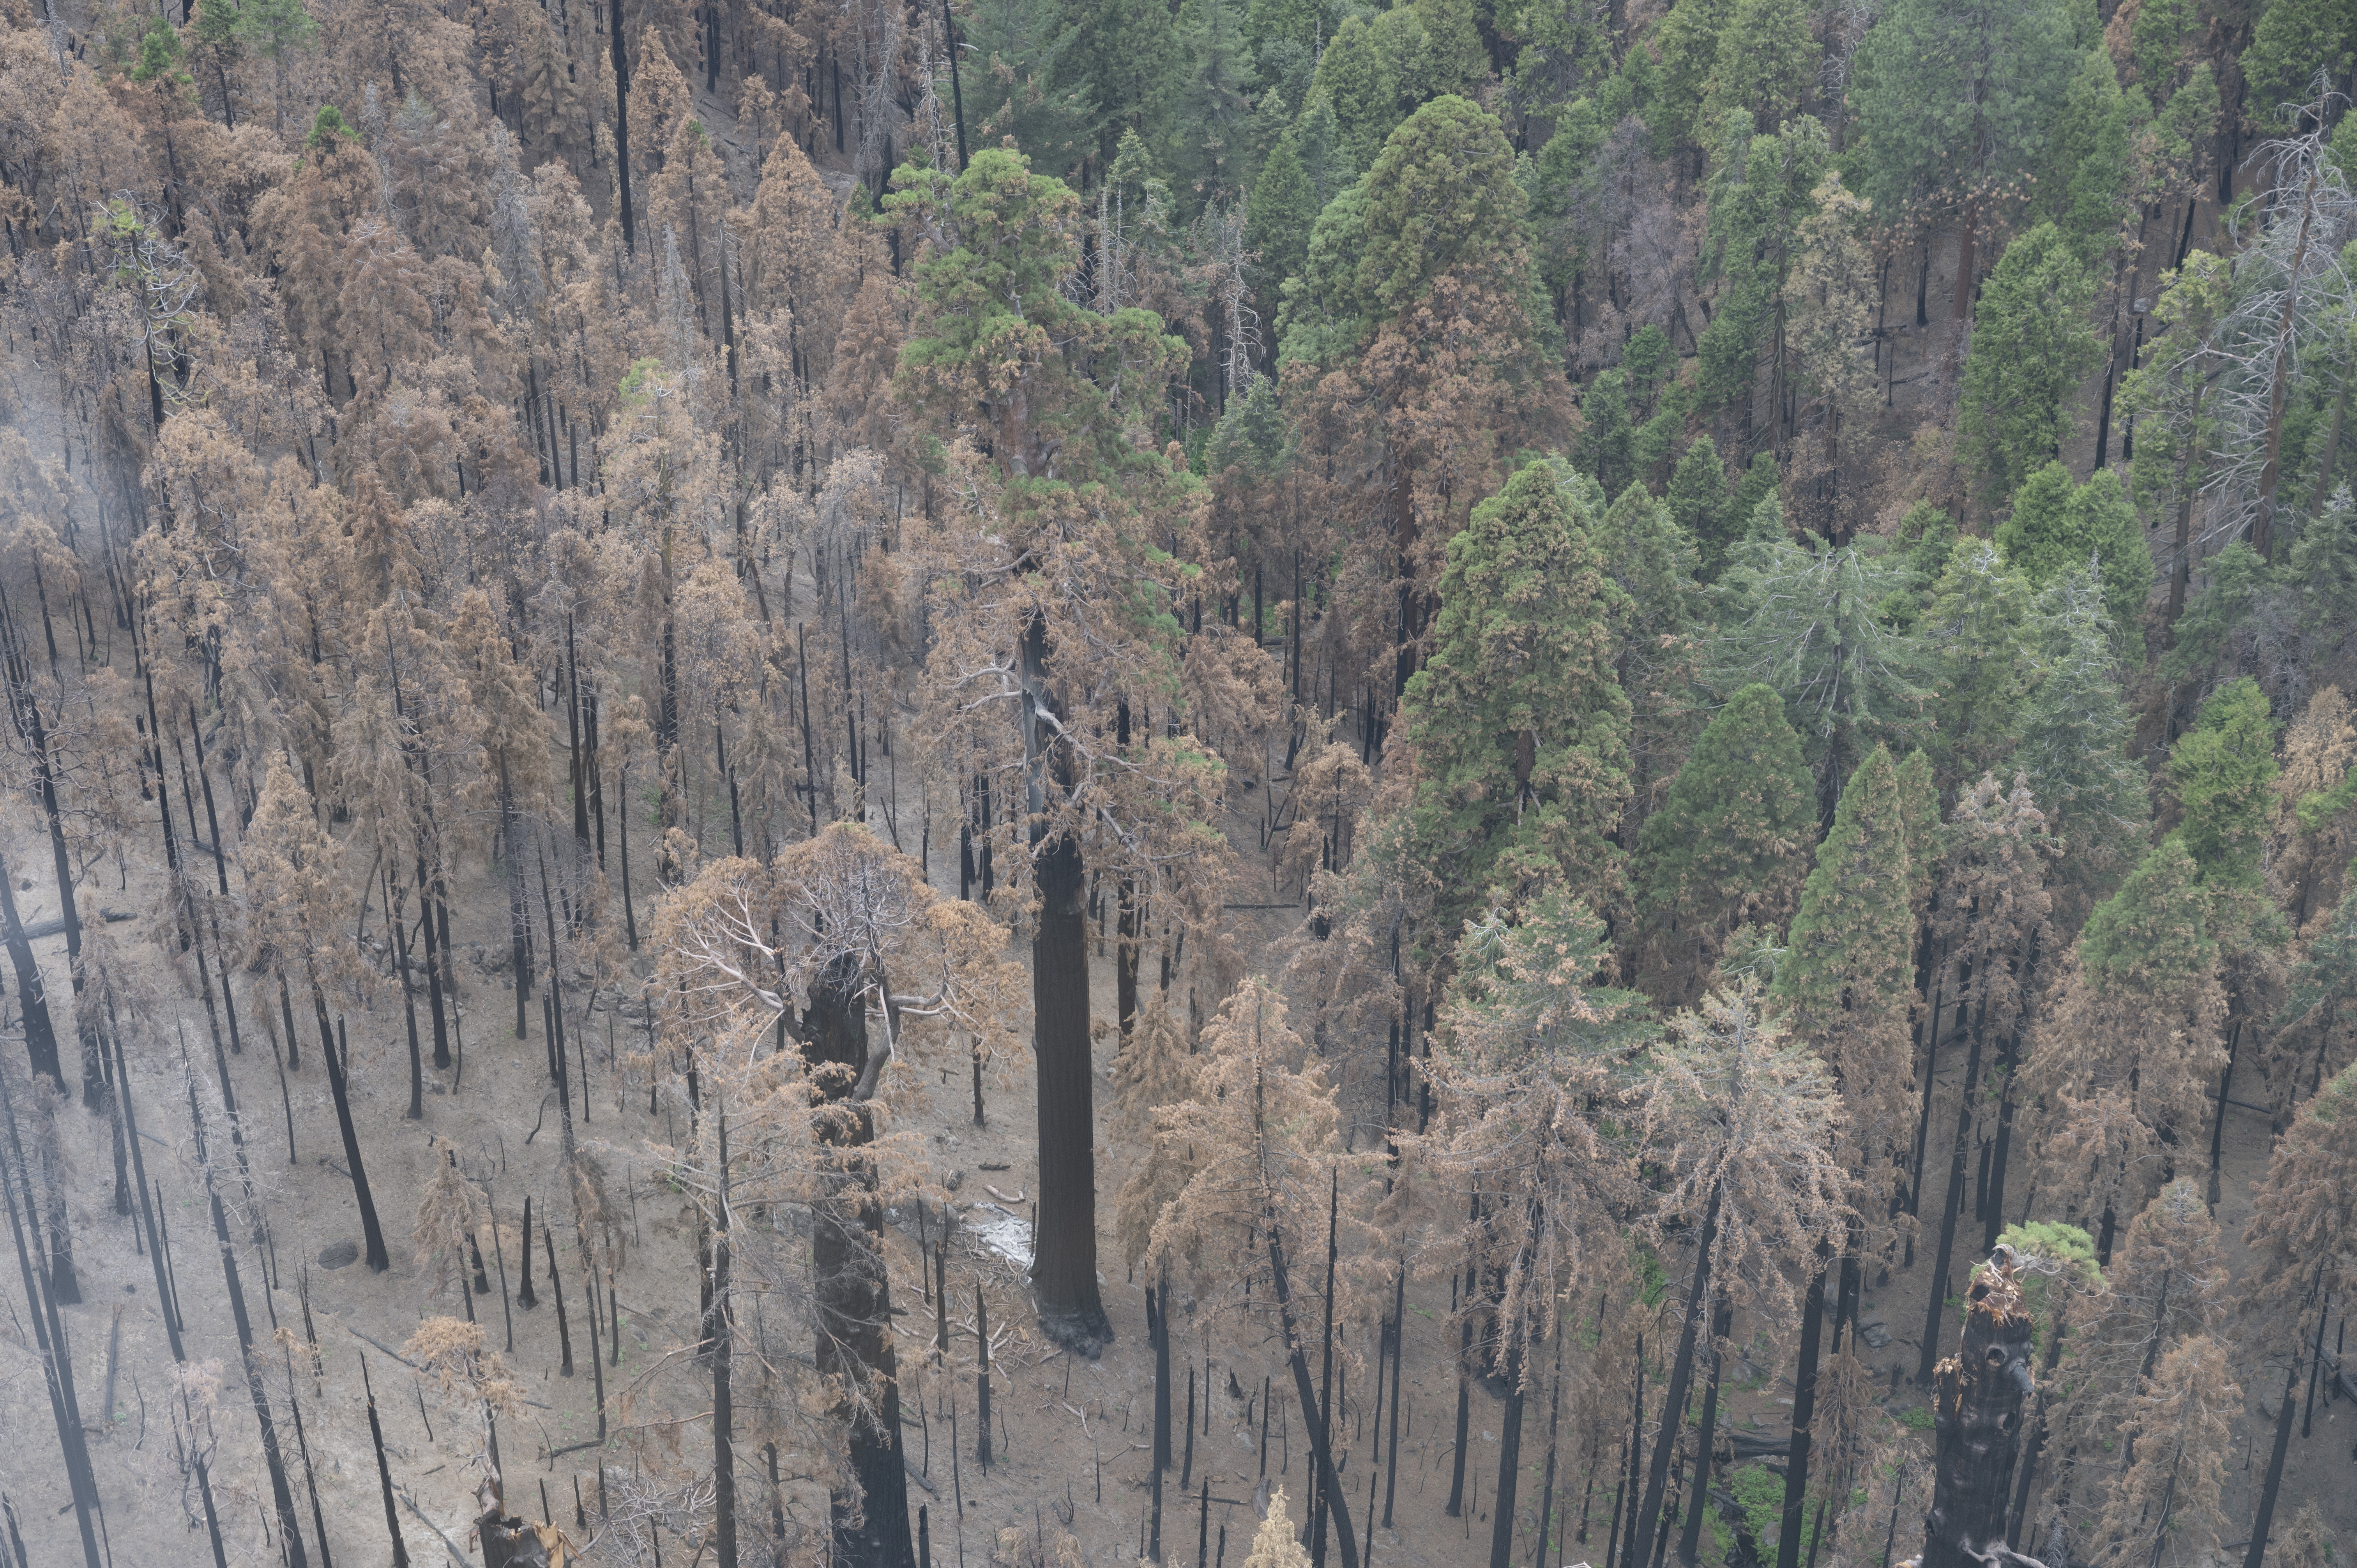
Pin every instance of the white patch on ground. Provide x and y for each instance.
(1003, 1231)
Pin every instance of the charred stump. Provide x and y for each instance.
(1977, 1395)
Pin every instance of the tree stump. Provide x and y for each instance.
(1976, 1408)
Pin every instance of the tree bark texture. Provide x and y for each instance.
(1976, 1423)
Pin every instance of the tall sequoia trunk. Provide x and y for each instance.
(1976, 1409)
(1064, 1269)
(854, 1295)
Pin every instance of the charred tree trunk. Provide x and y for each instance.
(1805, 1410)
(373, 1234)
(854, 1294)
(1976, 1423)
(40, 1034)
(1657, 1474)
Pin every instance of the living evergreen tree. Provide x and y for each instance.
(1278, 220)
(1518, 727)
(2224, 770)
(1763, 188)
(2074, 732)
(1846, 981)
(1698, 490)
(1209, 156)
(1977, 628)
(1658, 650)
(2031, 342)
(2089, 182)
(1124, 63)
(2294, 42)
(1766, 64)
(1807, 621)
(1729, 845)
(2058, 527)
(1952, 103)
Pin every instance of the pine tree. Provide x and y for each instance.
(1729, 845)
(1278, 220)
(2057, 527)
(1977, 628)
(1273, 1545)
(1761, 190)
(2224, 770)
(1126, 63)
(1954, 103)
(2293, 43)
(1517, 723)
(2031, 343)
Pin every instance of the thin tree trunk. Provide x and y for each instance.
(1804, 1413)
(378, 1259)
(1657, 1476)
(1948, 1216)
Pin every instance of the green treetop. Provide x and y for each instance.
(1059, 386)
(1728, 845)
(2224, 770)
(2074, 731)
(1954, 97)
(2031, 343)
(2058, 527)
(1761, 190)
(1519, 729)
(1847, 977)
(1766, 66)
(1977, 628)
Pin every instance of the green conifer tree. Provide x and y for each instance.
(1729, 845)
(1847, 978)
(1761, 190)
(1977, 628)
(2224, 770)
(1278, 217)
(2031, 344)
(1766, 66)
(2074, 734)
(2058, 528)
(2293, 41)
(1518, 728)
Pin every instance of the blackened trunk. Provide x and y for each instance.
(1950, 1212)
(1064, 1275)
(1327, 1481)
(32, 997)
(1805, 1410)
(2254, 1555)
(1707, 1435)
(1510, 1464)
(378, 1259)
(853, 1291)
(383, 1470)
(282, 1495)
(1657, 1476)
(1976, 1413)
(1159, 1326)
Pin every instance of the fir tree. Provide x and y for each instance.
(1766, 64)
(2224, 770)
(1977, 628)
(1728, 846)
(1807, 622)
